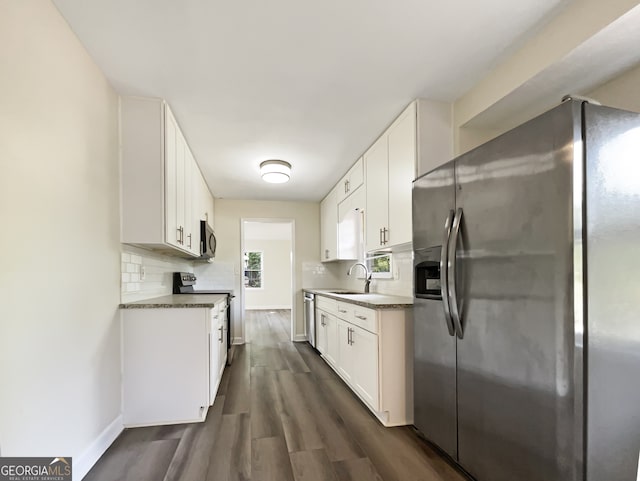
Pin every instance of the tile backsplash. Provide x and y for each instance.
(400, 285)
(216, 275)
(146, 274)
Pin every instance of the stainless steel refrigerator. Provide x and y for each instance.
(527, 300)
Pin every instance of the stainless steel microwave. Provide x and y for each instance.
(207, 241)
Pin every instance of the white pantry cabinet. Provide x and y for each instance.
(160, 180)
(372, 351)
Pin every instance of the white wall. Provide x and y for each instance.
(621, 92)
(308, 271)
(59, 248)
(276, 276)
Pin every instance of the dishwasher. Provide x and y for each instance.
(310, 317)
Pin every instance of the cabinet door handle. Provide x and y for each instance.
(384, 236)
(220, 338)
(342, 310)
(181, 235)
(380, 237)
(189, 236)
(178, 235)
(364, 318)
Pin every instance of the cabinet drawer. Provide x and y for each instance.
(326, 304)
(365, 318)
(345, 311)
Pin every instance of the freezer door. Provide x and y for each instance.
(515, 298)
(434, 345)
(613, 264)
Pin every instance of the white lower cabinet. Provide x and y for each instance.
(217, 348)
(327, 333)
(346, 359)
(172, 360)
(372, 351)
(364, 345)
(214, 356)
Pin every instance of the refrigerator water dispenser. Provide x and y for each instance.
(427, 274)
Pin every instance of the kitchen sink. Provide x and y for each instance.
(346, 293)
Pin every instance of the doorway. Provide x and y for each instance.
(267, 250)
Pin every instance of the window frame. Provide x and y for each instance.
(380, 275)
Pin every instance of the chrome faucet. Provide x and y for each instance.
(367, 274)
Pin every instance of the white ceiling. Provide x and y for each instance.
(312, 83)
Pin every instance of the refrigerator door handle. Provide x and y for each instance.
(451, 273)
(443, 274)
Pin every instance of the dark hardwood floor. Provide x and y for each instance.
(281, 414)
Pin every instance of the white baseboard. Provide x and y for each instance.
(300, 338)
(267, 308)
(83, 463)
(237, 341)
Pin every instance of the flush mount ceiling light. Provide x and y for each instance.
(275, 171)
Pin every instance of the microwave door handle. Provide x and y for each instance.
(451, 273)
(444, 292)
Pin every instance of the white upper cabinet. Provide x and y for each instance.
(179, 166)
(377, 182)
(162, 197)
(402, 172)
(329, 227)
(419, 140)
(390, 170)
(204, 202)
(351, 181)
(351, 225)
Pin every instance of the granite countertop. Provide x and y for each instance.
(176, 301)
(372, 300)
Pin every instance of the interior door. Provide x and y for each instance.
(434, 367)
(514, 287)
